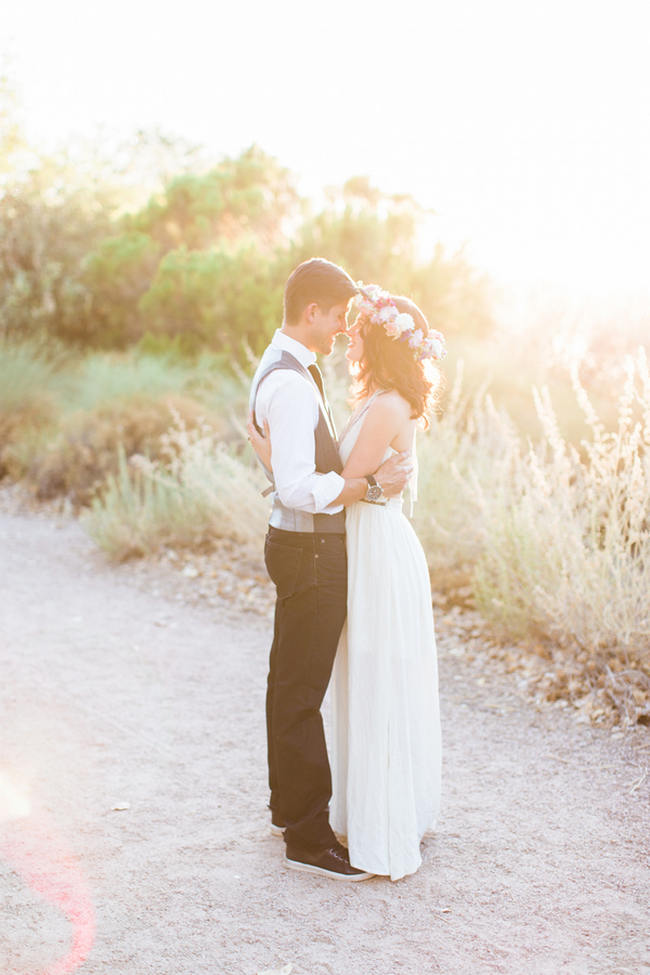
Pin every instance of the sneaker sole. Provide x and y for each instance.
(310, 868)
(276, 830)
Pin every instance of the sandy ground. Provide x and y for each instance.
(135, 834)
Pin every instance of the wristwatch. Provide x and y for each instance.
(374, 491)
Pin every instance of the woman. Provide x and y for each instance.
(386, 750)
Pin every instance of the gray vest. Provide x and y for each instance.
(327, 454)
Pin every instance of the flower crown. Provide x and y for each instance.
(378, 307)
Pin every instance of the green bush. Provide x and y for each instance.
(226, 301)
(248, 196)
(116, 274)
(205, 261)
(50, 219)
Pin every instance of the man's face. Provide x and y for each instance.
(326, 326)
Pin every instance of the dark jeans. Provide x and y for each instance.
(310, 576)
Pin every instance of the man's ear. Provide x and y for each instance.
(311, 311)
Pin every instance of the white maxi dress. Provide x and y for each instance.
(386, 746)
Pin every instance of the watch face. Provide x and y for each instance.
(373, 493)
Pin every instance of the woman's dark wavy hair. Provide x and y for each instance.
(389, 363)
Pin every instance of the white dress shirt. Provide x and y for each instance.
(289, 403)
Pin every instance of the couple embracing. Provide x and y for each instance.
(353, 597)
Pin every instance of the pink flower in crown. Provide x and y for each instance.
(373, 293)
(392, 328)
(385, 314)
(433, 347)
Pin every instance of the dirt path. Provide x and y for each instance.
(115, 692)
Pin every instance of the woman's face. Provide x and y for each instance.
(354, 352)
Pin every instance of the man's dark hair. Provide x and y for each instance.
(316, 280)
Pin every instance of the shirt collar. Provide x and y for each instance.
(299, 351)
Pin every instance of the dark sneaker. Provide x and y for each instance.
(334, 863)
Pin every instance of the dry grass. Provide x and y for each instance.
(566, 548)
(548, 537)
(568, 532)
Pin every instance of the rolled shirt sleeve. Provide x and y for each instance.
(289, 406)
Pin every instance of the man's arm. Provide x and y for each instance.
(289, 441)
(288, 411)
(392, 476)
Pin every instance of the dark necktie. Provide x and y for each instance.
(318, 379)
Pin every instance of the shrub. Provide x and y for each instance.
(28, 402)
(248, 195)
(226, 301)
(50, 219)
(195, 494)
(117, 273)
(84, 453)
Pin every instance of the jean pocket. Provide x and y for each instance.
(289, 568)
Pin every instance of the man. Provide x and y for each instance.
(306, 559)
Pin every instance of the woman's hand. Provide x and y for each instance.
(395, 473)
(260, 444)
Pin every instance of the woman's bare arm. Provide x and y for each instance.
(380, 427)
(386, 419)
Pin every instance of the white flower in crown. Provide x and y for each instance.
(433, 347)
(404, 322)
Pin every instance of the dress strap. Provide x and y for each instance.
(413, 483)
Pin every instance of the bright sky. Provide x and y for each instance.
(525, 125)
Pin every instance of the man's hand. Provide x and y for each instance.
(261, 444)
(394, 473)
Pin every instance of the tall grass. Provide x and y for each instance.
(567, 531)
(464, 448)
